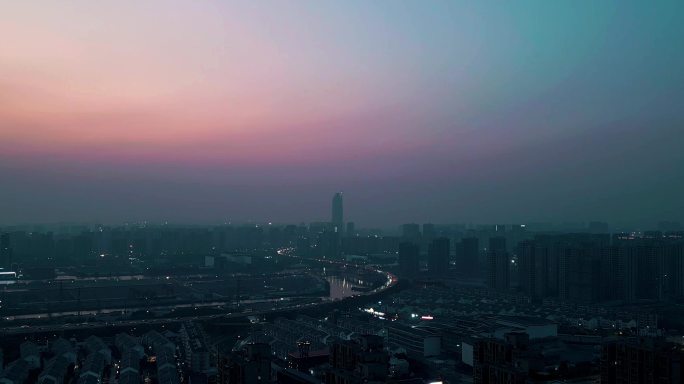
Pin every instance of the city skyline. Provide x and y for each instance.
(341, 191)
(396, 227)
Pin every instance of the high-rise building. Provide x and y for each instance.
(646, 271)
(675, 253)
(651, 281)
(468, 255)
(581, 275)
(498, 273)
(526, 267)
(497, 244)
(429, 232)
(533, 269)
(409, 263)
(643, 360)
(616, 274)
(337, 213)
(411, 232)
(438, 256)
(329, 244)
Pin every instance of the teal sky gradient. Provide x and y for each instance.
(442, 111)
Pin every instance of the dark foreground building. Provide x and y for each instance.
(251, 365)
(642, 360)
(361, 360)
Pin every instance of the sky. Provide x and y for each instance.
(419, 111)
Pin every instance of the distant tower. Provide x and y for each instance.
(337, 213)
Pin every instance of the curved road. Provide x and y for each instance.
(391, 281)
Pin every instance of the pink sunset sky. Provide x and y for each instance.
(445, 112)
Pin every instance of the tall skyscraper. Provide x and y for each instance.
(468, 253)
(498, 272)
(337, 213)
(409, 263)
(581, 276)
(497, 243)
(526, 268)
(438, 256)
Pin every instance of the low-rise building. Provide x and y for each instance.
(418, 342)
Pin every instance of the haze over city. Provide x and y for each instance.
(206, 112)
(341, 192)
